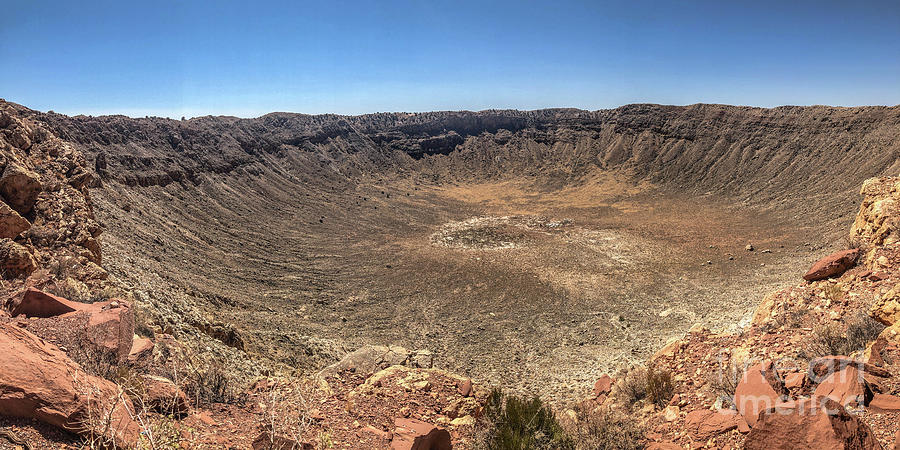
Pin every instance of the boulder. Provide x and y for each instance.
(19, 188)
(106, 326)
(38, 381)
(832, 265)
(412, 434)
(759, 389)
(141, 351)
(603, 385)
(163, 396)
(884, 403)
(15, 259)
(703, 424)
(37, 303)
(846, 387)
(11, 223)
(812, 423)
(886, 308)
(796, 380)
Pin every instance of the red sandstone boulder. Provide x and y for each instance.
(603, 385)
(464, 388)
(37, 303)
(141, 351)
(163, 396)
(107, 327)
(759, 389)
(812, 423)
(39, 381)
(703, 424)
(846, 386)
(884, 403)
(412, 434)
(832, 265)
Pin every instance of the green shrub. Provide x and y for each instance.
(513, 423)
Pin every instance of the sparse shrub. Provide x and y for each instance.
(833, 292)
(633, 387)
(726, 381)
(605, 429)
(660, 387)
(285, 411)
(209, 384)
(832, 339)
(512, 423)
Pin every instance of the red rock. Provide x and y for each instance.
(795, 380)
(897, 441)
(412, 434)
(820, 368)
(759, 389)
(703, 424)
(603, 385)
(141, 350)
(884, 403)
(111, 326)
(37, 380)
(163, 396)
(465, 388)
(832, 265)
(743, 426)
(878, 276)
(846, 386)
(37, 303)
(663, 446)
(812, 423)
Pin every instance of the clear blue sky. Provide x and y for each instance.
(246, 58)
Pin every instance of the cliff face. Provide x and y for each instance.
(762, 154)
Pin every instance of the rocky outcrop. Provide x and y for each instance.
(886, 308)
(832, 265)
(876, 222)
(372, 358)
(813, 424)
(39, 381)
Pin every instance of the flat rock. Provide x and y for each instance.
(832, 265)
(703, 424)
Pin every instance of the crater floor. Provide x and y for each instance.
(515, 283)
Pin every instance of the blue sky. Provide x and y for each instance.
(246, 58)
